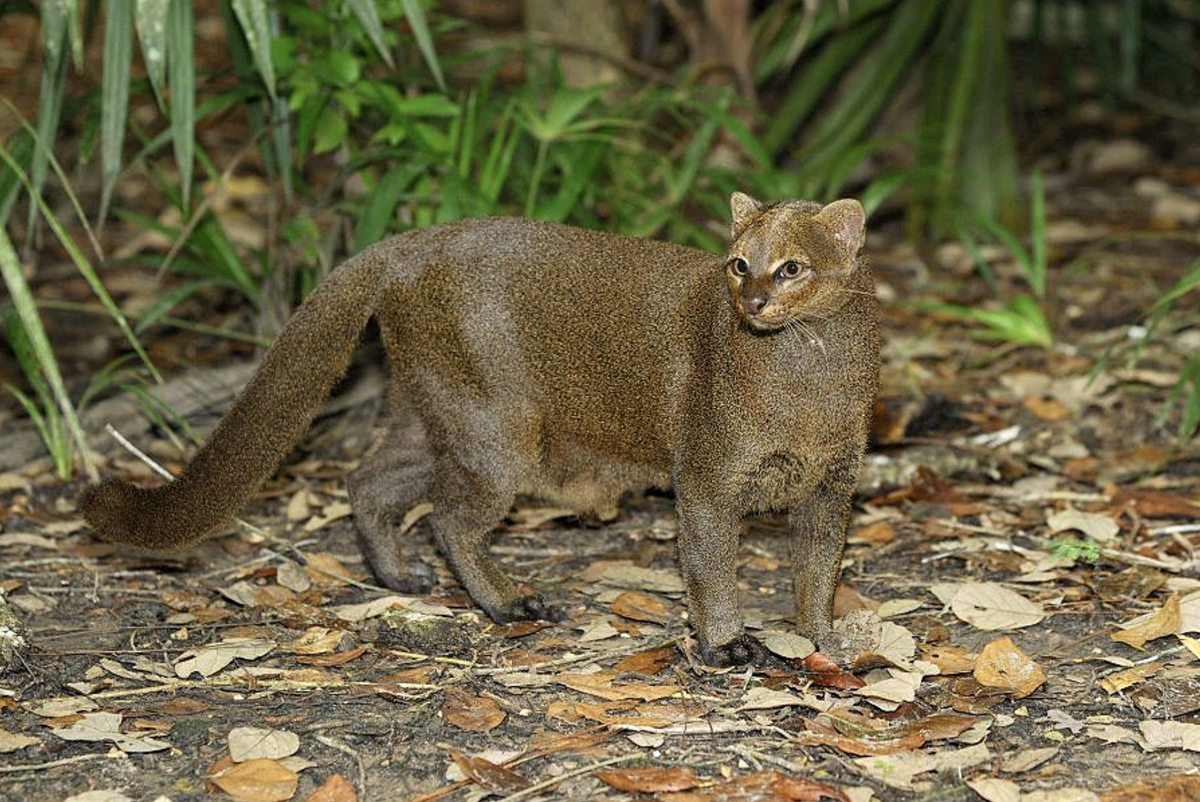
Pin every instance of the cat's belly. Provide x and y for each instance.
(586, 480)
(782, 480)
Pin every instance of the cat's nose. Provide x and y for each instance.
(755, 305)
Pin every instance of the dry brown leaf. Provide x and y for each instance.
(641, 607)
(900, 686)
(949, 659)
(1046, 408)
(824, 671)
(763, 698)
(596, 630)
(316, 640)
(788, 645)
(335, 659)
(649, 662)
(252, 743)
(876, 534)
(627, 575)
(1096, 525)
(760, 785)
(260, 780)
(102, 726)
(988, 606)
(1166, 621)
(471, 713)
(298, 505)
(1028, 759)
(290, 575)
(1130, 676)
(329, 514)
(1171, 735)
(208, 660)
(335, 789)
(1174, 788)
(326, 571)
(993, 789)
(601, 685)
(1156, 503)
(649, 781)
(1003, 665)
(489, 775)
(15, 741)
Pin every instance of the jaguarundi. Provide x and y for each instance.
(573, 365)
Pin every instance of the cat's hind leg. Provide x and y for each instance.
(393, 477)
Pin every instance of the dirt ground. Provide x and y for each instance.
(1016, 512)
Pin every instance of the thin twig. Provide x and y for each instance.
(1145, 660)
(358, 761)
(53, 763)
(232, 681)
(137, 452)
(580, 658)
(553, 781)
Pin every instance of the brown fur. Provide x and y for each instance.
(576, 365)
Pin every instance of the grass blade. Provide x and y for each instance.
(1037, 235)
(252, 14)
(26, 309)
(151, 23)
(181, 70)
(21, 147)
(368, 17)
(420, 28)
(50, 93)
(114, 96)
(81, 263)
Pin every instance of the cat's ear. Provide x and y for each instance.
(745, 209)
(846, 220)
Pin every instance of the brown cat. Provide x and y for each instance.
(574, 365)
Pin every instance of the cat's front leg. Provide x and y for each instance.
(818, 534)
(708, 544)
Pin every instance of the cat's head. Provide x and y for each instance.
(791, 261)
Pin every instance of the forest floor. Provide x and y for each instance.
(1019, 583)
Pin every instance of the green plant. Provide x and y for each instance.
(841, 66)
(50, 407)
(1022, 318)
(1083, 550)
(1186, 391)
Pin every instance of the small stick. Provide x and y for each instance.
(53, 763)
(553, 781)
(358, 761)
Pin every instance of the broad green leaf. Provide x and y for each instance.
(114, 95)
(428, 105)
(181, 68)
(420, 28)
(252, 14)
(151, 23)
(368, 17)
(380, 209)
(330, 131)
(344, 67)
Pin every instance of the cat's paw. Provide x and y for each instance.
(416, 578)
(742, 650)
(529, 608)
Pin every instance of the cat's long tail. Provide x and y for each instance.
(270, 416)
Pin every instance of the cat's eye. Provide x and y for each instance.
(790, 269)
(738, 266)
